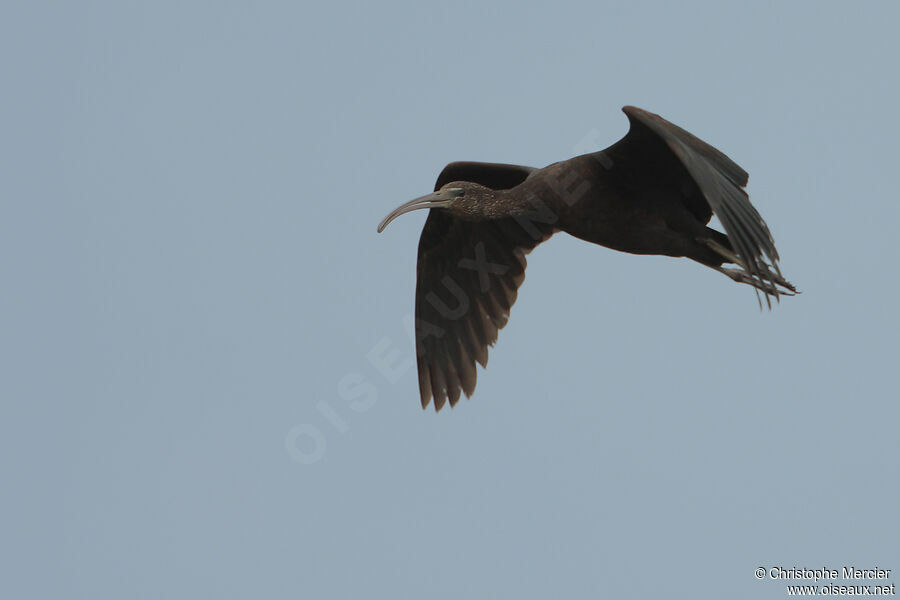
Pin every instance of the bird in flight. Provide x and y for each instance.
(652, 192)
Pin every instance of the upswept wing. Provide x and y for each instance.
(719, 182)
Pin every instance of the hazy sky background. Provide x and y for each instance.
(193, 287)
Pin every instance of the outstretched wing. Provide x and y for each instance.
(656, 143)
(468, 275)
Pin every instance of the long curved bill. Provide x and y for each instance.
(439, 199)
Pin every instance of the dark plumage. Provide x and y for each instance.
(652, 192)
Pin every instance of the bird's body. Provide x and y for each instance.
(601, 208)
(653, 192)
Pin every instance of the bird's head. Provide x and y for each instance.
(460, 198)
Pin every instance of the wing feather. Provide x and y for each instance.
(719, 181)
(448, 341)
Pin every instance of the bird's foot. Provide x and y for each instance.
(768, 284)
(770, 288)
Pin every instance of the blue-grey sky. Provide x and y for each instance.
(196, 305)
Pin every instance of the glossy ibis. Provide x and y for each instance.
(652, 192)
